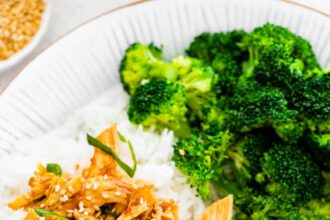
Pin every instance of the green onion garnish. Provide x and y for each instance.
(54, 168)
(39, 199)
(106, 210)
(44, 213)
(129, 170)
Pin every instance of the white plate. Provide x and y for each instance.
(83, 64)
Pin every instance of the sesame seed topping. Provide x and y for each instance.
(105, 195)
(81, 204)
(57, 188)
(64, 198)
(70, 189)
(88, 186)
(141, 200)
(117, 193)
(182, 152)
(96, 207)
(42, 205)
(62, 192)
(95, 186)
(85, 213)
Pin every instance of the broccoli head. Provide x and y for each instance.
(291, 172)
(318, 146)
(303, 50)
(199, 81)
(318, 209)
(207, 46)
(228, 71)
(263, 207)
(242, 163)
(162, 104)
(199, 155)
(222, 52)
(255, 106)
(311, 98)
(263, 39)
(136, 64)
(143, 62)
(278, 68)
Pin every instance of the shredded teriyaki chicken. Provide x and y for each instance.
(100, 192)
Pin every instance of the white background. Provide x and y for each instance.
(67, 14)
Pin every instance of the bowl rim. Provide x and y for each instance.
(137, 2)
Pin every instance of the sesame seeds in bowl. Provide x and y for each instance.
(22, 25)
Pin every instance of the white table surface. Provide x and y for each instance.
(67, 14)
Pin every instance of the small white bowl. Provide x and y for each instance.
(30, 46)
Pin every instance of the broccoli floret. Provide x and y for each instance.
(207, 46)
(303, 50)
(221, 51)
(289, 130)
(143, 62)
(318, 209)
(255, 106)
(318, 146)
(277, 68)
(228, 71)
(199, 155)
(238, 173)
(259, 40)
(247, 152)
(199, 81)
(262, 207)
(160, 103)
(263, 39)
(291, 172)
(311, 97)
(136, 64)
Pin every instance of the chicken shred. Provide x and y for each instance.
(100, 192)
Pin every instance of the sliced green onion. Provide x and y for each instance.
(54, 168)
(44, 213)
(106, 210)
(97, 144)
(39, 199)
(122, 138)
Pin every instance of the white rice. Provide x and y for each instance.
(67, 146)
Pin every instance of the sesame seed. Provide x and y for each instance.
(95, 186)
(105, 195)
(85, 213)
(141, 200)
(62, 192)
(42, 218)
(64, 198)
(42, 205)
(88, 198)
(70, 189)
(182, 152)
(117, 193)
(88, 186)
(81, 204)
(96, 207)
(57, 188)
(105, 176)
(14, 33)
(70, 211)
